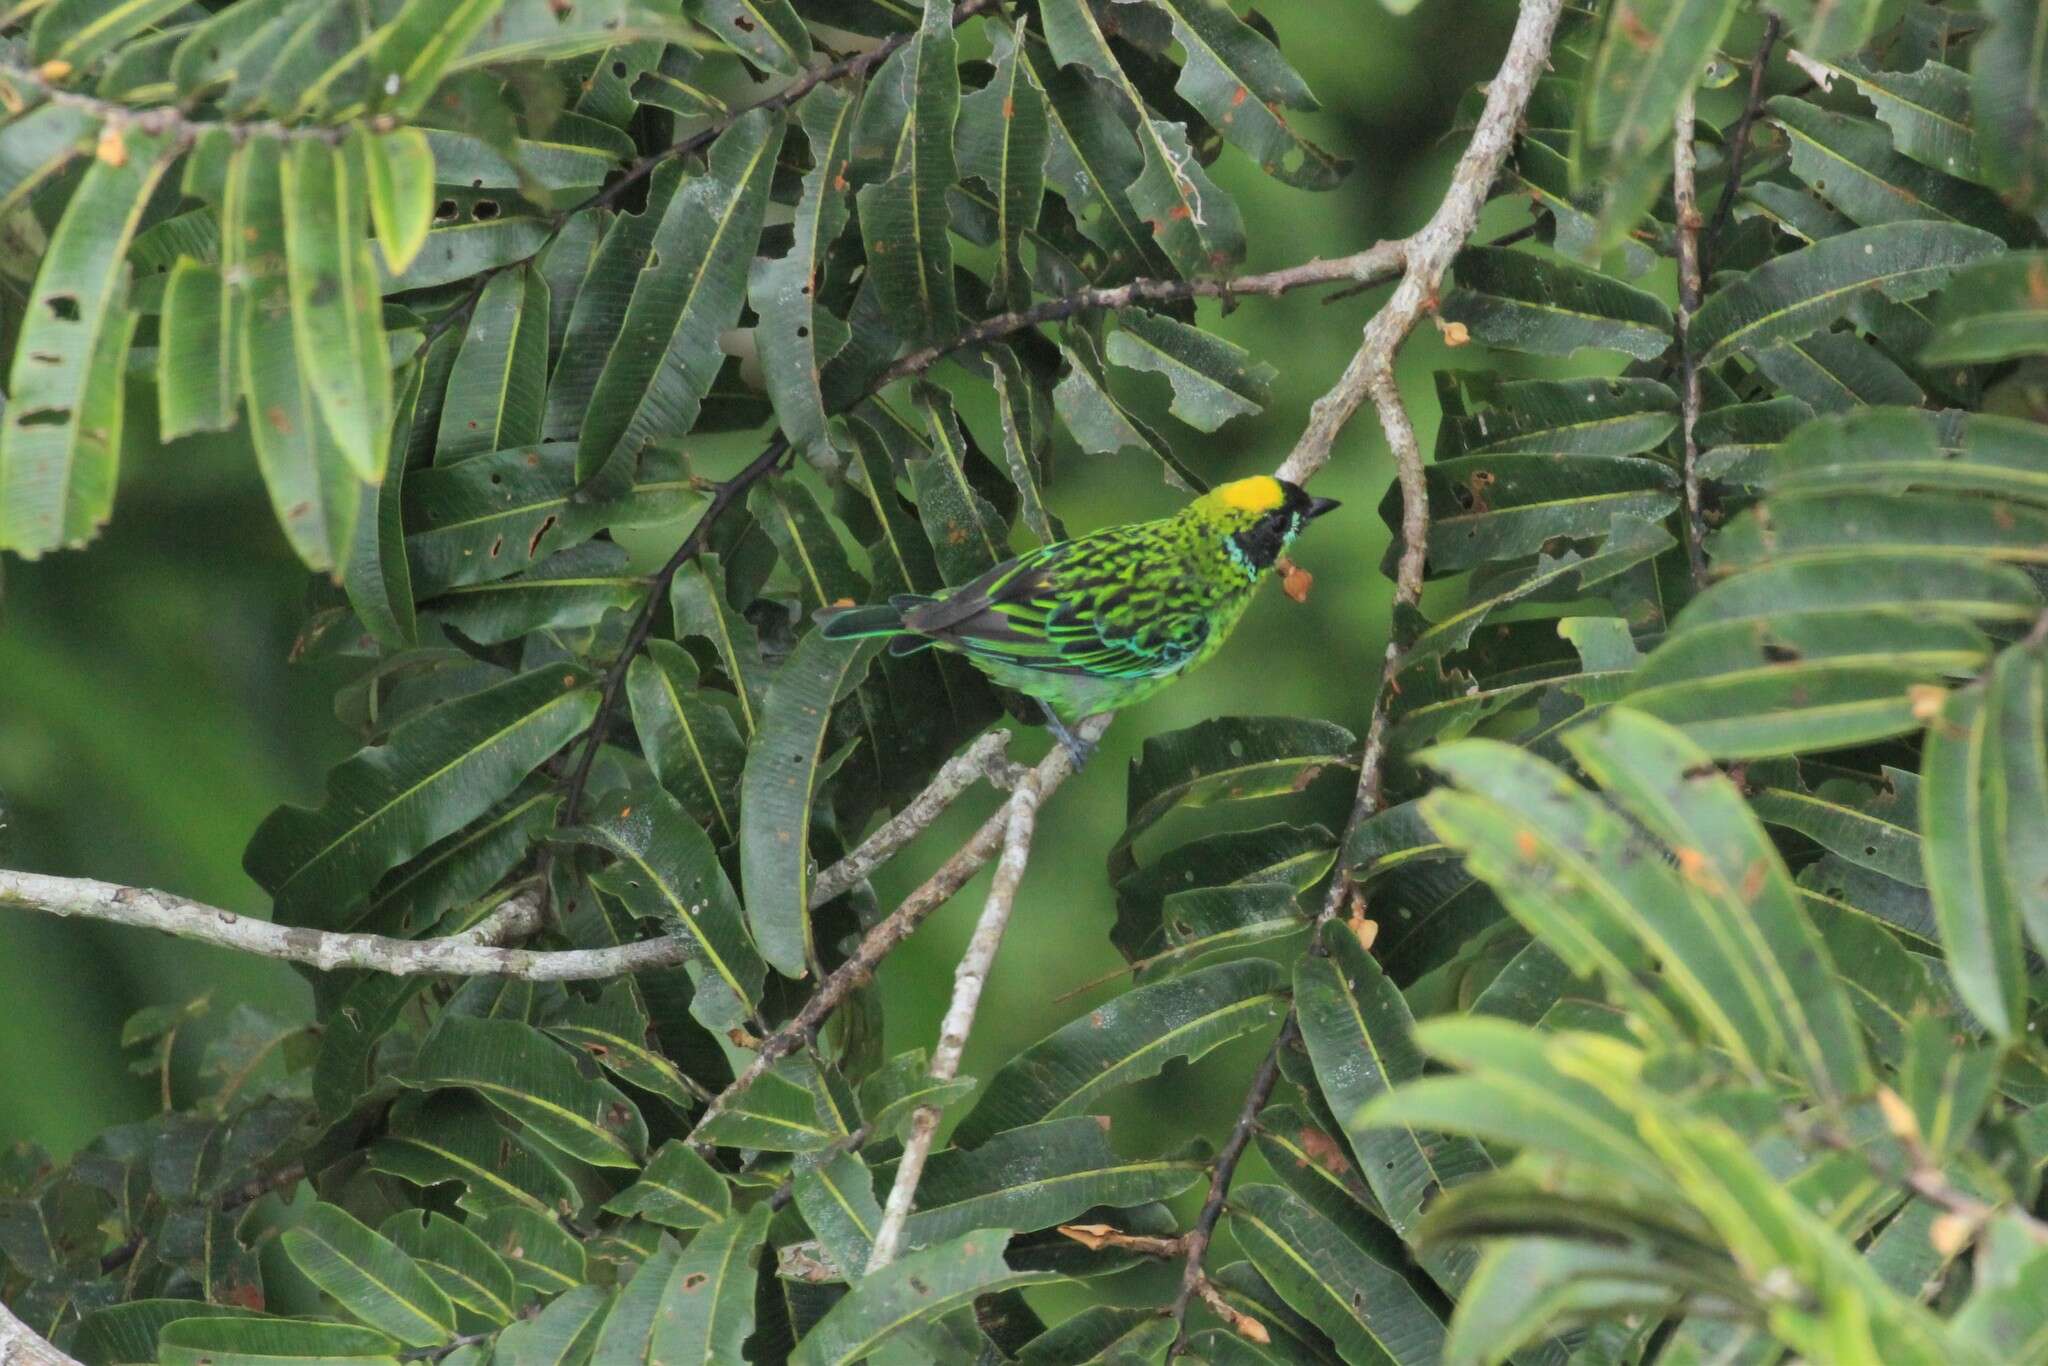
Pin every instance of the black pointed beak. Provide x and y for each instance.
(1318, 506)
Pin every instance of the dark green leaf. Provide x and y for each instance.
(196, 354)
(370, 1276)
(1523, 302)
(336, 317)
(2009, 98)
(494, 391)
(1991, 311)
(1649, 57)
(689, 740)
(458, 1261)
(214, 1341)
(529, 1078)
(1232, 759)
(570, 589)
(915, 1289)
(1237, 81)
(453, 1137)
(678, 1189)
(708, 1307)
(1850, 163)
(1003, 136)
(904, 220)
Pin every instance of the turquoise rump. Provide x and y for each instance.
(1105, 620)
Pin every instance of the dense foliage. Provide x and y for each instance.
(1681, 1002)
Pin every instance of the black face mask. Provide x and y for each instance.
(1263, 542)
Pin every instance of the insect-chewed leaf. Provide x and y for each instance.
(1927, 110)
(1127, 1039)
(1795, 294)
(212, 1340)
(1213, 380)
(1038, 1176)
(905, 219)
(698, 598)
(614, 1029)
(690, 741)
(60, 437)
(1500, 506)
(1090, 163)
(1960, 452)
(541, 30)
(1193, 221)
(369, 1276)
(532, 165)
(1101, 424)
(837, 1199)
(914, 1289)
(1523, 302)
(707, 1306)
(1835, 372)
(783, 772)
(195, 353)
(1830, 27)
(386, 804)
(766, 32)
(1231, 759)
(795, 336)
(1237, 81)
(1361, 1040)
(602, 298)
(1850, 163)
(494, 515)
(809, 546)
(628, 1334)
(530, 1078)
(570, 589)
(1565, 417)
(1369, 1310)
(1004, 132)
(779, 1113)
(454, 1258)
(377, 575)
(668, 872)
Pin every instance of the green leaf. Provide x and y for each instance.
(60, 437)
(1649, 57)
(1213, 380)
(38, 146)
(916, 1288)
(1091, 163)
(795, 337)
(1734, 873)
(1879, 831)
(494, 515)
(369, 1276)
(441, 770)
(335, 313)
(217, 1341)
(1038, 1176)
(378, 576)
(195, 357)
(570, 589)
(1991, 311)
(905, 219)
(1805, 679)
(123, 1333)
(2004, 1314)
(1100, 424)
(412, 53)
(1927, 110)
(783, 772)
(539, 30)
(80, 32)
(1828, 27)
(2009, 98)
(1129, 1039)
(1499, 506)
(1835, 372)
(780, 1113)
(668, 872)
(697, 597)
(313, 486)
(563, 1334)
(807, 544)
(1963, 822)
(1850, 163)
(1103, 1334)
(454, 1258)
(766, 32)
(666, 353)
(1959, 452)
(708, 1306)
(463, 251)
(1369, 1310)
(1237, 80)
(493, 395)
(690, 741)
(1361, 1039)
(601, 300)
(526, 1076)
(1003, 136)
(678, 1189)
(531, 165)
(837, 1199)
(1795, 294)
(894, 1092)
(1191, 219)
(615, 1030)
(452, 1137)
(1235, 758)
(629, 1328)
(1523, 302)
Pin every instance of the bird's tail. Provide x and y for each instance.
(857, 623)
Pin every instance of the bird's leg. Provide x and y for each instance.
(1081, 749)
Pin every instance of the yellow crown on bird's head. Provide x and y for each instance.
(1259, 517)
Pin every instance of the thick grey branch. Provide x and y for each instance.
(19, 1345)
(1020, 815)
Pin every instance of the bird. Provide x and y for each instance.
(1104, 620)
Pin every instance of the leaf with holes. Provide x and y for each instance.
(905, 219)
(1523, 302)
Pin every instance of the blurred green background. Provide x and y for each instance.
(149, 716)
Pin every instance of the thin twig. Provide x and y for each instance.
(1685, 198)
(954, 777)
(1738, 145)
(1375, 265)
(879, 942)
(461, 955)
(1020, 816)
(158, 120)
(1924, 1177)
(1195, 1242)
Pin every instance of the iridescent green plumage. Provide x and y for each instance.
(1105, 620)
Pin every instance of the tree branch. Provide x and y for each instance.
(169, 119)
(880, 941)
(1020, 815)
(1685, 197)
(955, 776)
(20, 1346)
(1738, 144)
